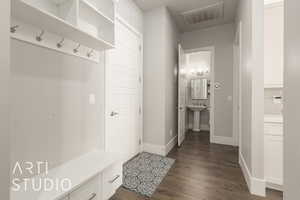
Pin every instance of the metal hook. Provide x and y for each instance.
(60, 44)
(13, 29)
(39, 37)
(90, 53)
(76, 49)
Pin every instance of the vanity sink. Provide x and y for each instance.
(197, 111)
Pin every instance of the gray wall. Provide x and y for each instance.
(4, 98)
(291, 101)
(171, 37)
(250, 14)
(160, 64)
(221, 37)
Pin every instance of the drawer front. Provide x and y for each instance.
(112, 180)
(273, 129)
(274, 159)
(88, 191)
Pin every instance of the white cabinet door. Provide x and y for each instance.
(124, 94)
(274, 159)
(273, 61)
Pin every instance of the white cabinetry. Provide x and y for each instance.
(274, 154)
(87, 22)
(273, 42)
(94, 176)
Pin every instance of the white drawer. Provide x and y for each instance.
(112, 180)
(273, 129)
(90, 190)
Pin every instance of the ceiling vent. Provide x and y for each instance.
(204, 14)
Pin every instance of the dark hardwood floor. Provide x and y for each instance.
(202, 171)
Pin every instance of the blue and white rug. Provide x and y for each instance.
(144, 173)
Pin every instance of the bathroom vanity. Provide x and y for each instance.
(198, 99)
(273, 131)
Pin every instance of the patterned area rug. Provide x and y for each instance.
(144, 173)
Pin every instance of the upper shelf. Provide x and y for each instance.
(61, 17)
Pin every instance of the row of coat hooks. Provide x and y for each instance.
(59, 44)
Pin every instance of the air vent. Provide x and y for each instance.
(204, 14)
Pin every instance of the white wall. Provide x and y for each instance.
(250, 14)
(160, 82)
(291, 100)
(222, 38)
(51, 118)
(4, 99)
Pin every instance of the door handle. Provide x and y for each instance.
(113, 113)
(114, 179)
(93, 196)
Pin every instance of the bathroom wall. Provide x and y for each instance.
(221, 37)
(4, 99)
(51, 116)
(272, 107)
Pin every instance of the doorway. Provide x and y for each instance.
(195, 91)
(124, 86)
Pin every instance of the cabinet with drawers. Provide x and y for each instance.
(274, 154)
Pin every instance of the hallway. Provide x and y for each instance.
(202, 171)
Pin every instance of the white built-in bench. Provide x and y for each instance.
(94, 176)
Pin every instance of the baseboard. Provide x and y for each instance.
(256, 186)
(204, 127)
(153, 148)
(223, 140)
(170, 145)
(274, 186)
(160, 149)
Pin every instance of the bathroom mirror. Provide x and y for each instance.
(199, 89)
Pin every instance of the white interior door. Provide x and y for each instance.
(181, 96)
(124, 93)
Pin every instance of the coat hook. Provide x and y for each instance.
(39, 37)
(76, 49)
(60, 44)
(90, 53)
(13, 29)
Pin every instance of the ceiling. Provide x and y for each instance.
(178, 7)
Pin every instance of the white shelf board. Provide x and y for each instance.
(270, 86)
(48, 22)
(93, 8)
(78, 171)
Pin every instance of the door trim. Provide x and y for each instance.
(212, 88)
(106, 112)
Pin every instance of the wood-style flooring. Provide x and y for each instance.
(202, 171)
